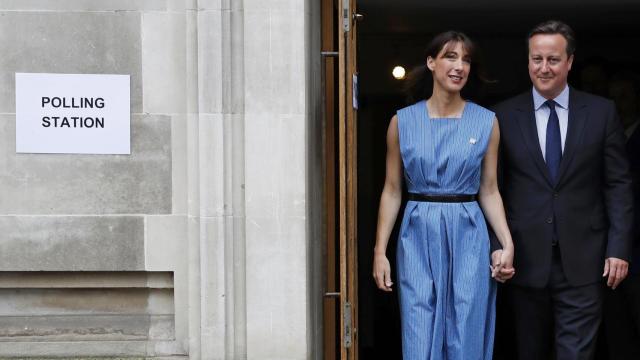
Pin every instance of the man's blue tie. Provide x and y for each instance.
(553, 147)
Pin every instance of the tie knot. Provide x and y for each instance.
(550, 104)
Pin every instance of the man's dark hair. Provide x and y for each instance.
(553, 27)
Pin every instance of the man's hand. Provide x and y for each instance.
(502, 265)
(616, 269)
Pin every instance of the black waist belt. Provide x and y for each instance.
(443, 198)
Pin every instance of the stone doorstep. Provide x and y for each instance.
(97, 358)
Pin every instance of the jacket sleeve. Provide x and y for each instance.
(618, 189)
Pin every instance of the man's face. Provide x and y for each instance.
(549, 64)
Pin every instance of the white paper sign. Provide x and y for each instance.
(73, 113)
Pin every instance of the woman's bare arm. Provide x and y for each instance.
(389, 207)
(491, 203)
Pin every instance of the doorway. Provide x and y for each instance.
(390, 35)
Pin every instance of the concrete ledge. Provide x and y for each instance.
(85, 279)
(98, 358)
(96, 349)
(126, 327)
(84, 5)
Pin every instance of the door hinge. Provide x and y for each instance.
(346, 15)
(348, 326)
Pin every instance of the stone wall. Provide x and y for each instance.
(202, 242)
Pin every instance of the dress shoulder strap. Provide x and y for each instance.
(409, 116)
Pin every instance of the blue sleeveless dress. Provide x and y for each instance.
(447, 296)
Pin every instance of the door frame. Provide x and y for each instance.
(340, 142)
(347, 174)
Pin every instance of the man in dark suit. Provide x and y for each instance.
(566, 188)
(622, 306)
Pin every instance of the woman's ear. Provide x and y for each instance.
(430, 63)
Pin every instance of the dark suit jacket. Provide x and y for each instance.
(633, 151)
(590, 205)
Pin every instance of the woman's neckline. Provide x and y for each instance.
(464, 108)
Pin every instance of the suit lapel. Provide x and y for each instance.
(527, 123)
(575, 128)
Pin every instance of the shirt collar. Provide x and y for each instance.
(562, 100)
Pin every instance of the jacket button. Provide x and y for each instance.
(549, 220)
(555, 195)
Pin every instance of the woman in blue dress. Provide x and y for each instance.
(447, 150)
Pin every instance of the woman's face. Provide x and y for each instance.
(451, 67)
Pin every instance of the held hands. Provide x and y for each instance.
(382, 272)
(501, 268)
(616, 269)
(502, 265)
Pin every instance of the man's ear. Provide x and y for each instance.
(570, 61)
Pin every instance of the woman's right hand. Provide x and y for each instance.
(382, 272)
